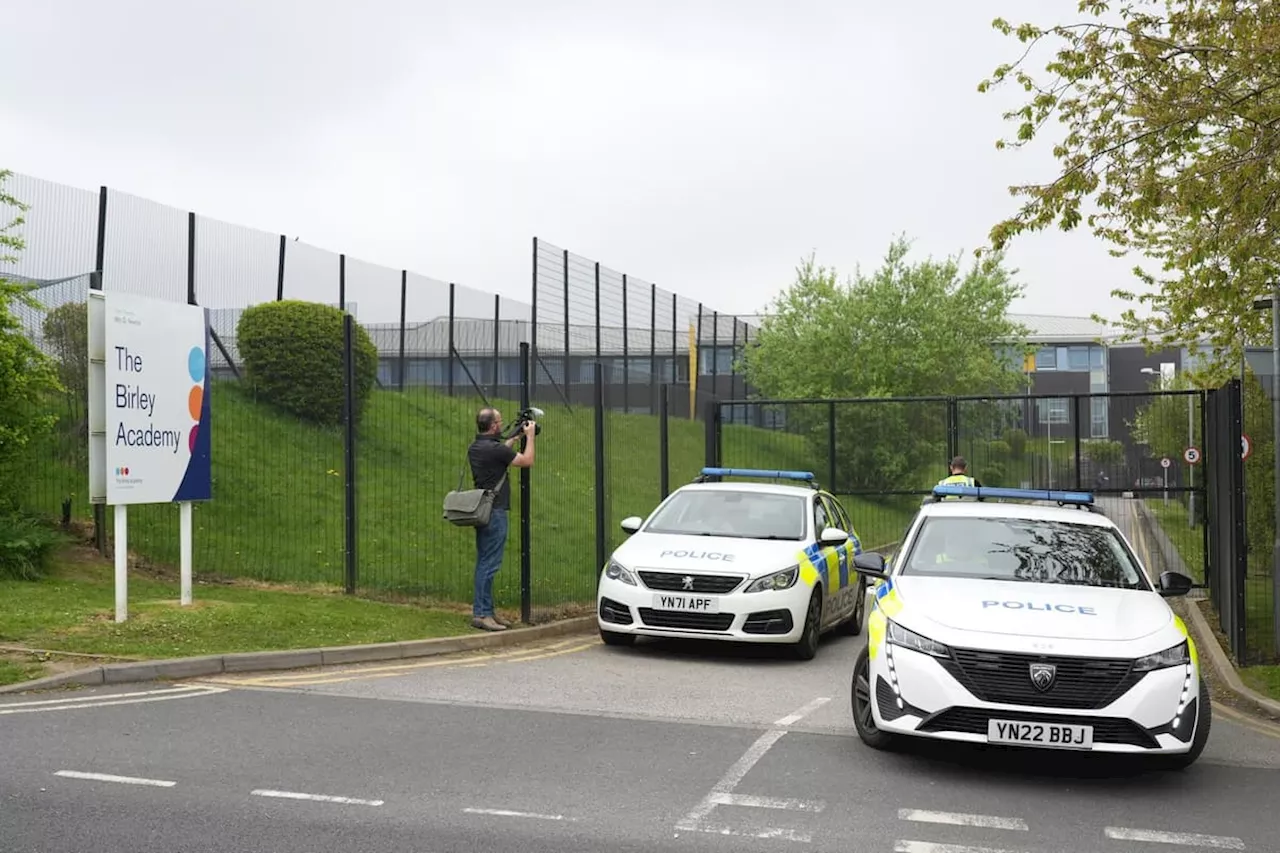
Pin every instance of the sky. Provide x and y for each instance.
(703, 146)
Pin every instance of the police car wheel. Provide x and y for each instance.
(613, 638)
(1204, 721)
(807, 646)
(863, 718)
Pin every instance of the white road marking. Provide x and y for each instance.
(510, 813)
(107, 777)
(961, 819)
(768, 832)
(768, 802)
(935, 847)
(1186, 839)
(107, 701)
(319, 798)
(692, 822)
(98, 697)
(800, 714)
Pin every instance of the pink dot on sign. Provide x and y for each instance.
(191, 438)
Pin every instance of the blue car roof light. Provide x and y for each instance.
(1082, 500)
(757, 473)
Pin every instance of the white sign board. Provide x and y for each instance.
(1191, 455)
(156, 378)
(1245, 447)
(149, 409)
(1166, 462)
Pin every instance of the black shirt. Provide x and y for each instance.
(490, 458)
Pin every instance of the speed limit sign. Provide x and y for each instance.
(1245, 447)
(1191, 455)
(1166, 462)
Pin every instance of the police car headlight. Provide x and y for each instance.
(784, 579)
(1175, 656)
(900, 636)
(618, 572)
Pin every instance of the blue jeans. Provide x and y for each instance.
(491, 542)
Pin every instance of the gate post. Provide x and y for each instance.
(712, 418)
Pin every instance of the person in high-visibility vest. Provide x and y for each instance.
(959, 476)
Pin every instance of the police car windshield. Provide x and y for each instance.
(1016, 549)
(732, 513)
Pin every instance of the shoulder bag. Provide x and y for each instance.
(472, 507)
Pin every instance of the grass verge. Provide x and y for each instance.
(72, 611)
(1265, 678)
(278, 511)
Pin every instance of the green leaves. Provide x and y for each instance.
(1170, 117)
(908, 329)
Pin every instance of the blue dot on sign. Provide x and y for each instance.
(195, 364)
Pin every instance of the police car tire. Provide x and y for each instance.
(613, 638)
(806, 648)
(871, 735)
(1204, 711)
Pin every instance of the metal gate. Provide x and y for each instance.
(1165, 465)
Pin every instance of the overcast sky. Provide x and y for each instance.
(704, 146)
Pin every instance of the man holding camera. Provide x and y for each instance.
(490, 457)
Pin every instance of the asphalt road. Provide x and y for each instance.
(574, 746)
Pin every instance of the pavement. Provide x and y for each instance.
(568, 745)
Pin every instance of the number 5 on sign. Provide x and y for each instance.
(1191, 455)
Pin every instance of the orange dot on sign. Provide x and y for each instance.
(194, 400)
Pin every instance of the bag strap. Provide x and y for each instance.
(462, 476)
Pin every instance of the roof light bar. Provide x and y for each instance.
(1061, 497)
(758, 472)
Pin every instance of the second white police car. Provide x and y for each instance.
(746, 562)
(1028, 625)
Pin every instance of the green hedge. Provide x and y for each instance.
(292, 353)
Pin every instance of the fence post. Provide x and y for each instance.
(597, 301)
(675, 339)
(404, 310)
(342, 281)
(452, 289)
(526, 570)
(280, 269)
(497, 332)
(95, 283)
(565, 265)
(191, 258)
(664, 438)
(831, 446)
(953, 429)
(712, 417)
(349, 417)
(653, 342)
(626, 350)
(1075, 416)
(601, 460)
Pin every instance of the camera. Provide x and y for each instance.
(523, 417)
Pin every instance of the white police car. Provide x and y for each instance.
(746, 562)
(1027, 625)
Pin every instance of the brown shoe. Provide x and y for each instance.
(503, 622)
(488, 623)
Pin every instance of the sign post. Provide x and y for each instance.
(149, 417)
(1165, 462)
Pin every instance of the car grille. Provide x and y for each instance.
(1078, 684)
(685, 621)
(1105, 729)
(768, 622)
(674, 582)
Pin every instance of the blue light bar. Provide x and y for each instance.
(1074, 498)
(757, 472)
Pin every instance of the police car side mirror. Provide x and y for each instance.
(833, 536)
(871, 563)
(1175, 583)
(632, 523)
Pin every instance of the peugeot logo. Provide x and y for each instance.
(687, 582)
(1042, 675)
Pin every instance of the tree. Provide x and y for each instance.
(908, 329)
(1172, 133)
(27, 376)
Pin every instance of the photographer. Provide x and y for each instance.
(490, 457)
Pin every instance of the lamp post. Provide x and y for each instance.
(1191, 440)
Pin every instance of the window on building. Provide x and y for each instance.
(1098, 417)
(1054, 410)
(1047, 359)
(1078, 359)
